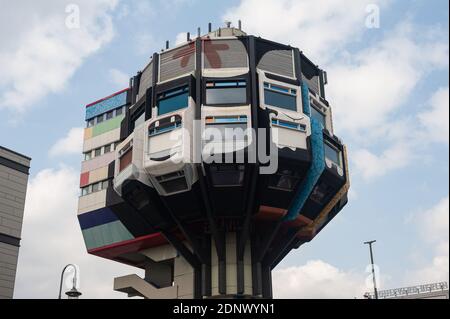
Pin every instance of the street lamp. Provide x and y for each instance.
(373, 267)
(72, 293)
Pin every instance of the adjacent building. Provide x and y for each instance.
(14, 169)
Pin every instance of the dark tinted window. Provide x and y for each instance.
(333, 154)
(280, 97)
(227, 176)
(222, 93)
(173, 100)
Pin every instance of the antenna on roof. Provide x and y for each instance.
(167, 44)
(188, 37)
(240, 25)
(209, 27)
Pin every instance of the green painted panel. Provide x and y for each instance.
(105, 235)
(107, 126)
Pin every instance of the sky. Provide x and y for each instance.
(388, 69)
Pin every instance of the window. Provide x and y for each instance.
(227, 176)
(285, 180)
(85, 191)
(107, 148)
(315, 114)
(98, 152)
(230, 128)
(333, 154)
(279, 96)
(173, 182)
(100, 118)
(87, 156)
(321, 193)
(109, 115)
(289, 125)
(119, 111)
(173, 100)
(105, 184)
(91, 122)
(96, 187)
(226, 92)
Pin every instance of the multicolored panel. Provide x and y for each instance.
(102, 228)
(106, 104)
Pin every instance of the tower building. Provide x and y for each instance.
(218, 160)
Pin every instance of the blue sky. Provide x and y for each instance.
(388, 89)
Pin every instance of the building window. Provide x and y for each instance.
(173, 100)
(281, 97)
(107, 148)
(126, 156)
(87, 156)
(319, 116)
(85, 191)
(333, 154)
(226, 92)
(96, 187)
(91, 122)
(289, 125)
(105, 184)
(227, 176)
(109, 115)
(98, 152)
(173, 182)
(119, 111)
(230, 128)
(285, 180)
(100, 118)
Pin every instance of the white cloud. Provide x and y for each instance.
(317, 279)
(370, 165)
(433, 226)
(318, 27)
(119, 78)
(436, 119)
(42, 54)
(145, 44)
(72, 143)
(368, 87)
(373, 83)
(180, 38)
(51, 238)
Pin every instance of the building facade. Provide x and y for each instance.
(14, 169)
(173, 178)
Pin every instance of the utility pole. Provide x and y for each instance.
(373, 267)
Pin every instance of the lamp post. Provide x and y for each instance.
(72, 293)
(373, 267)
